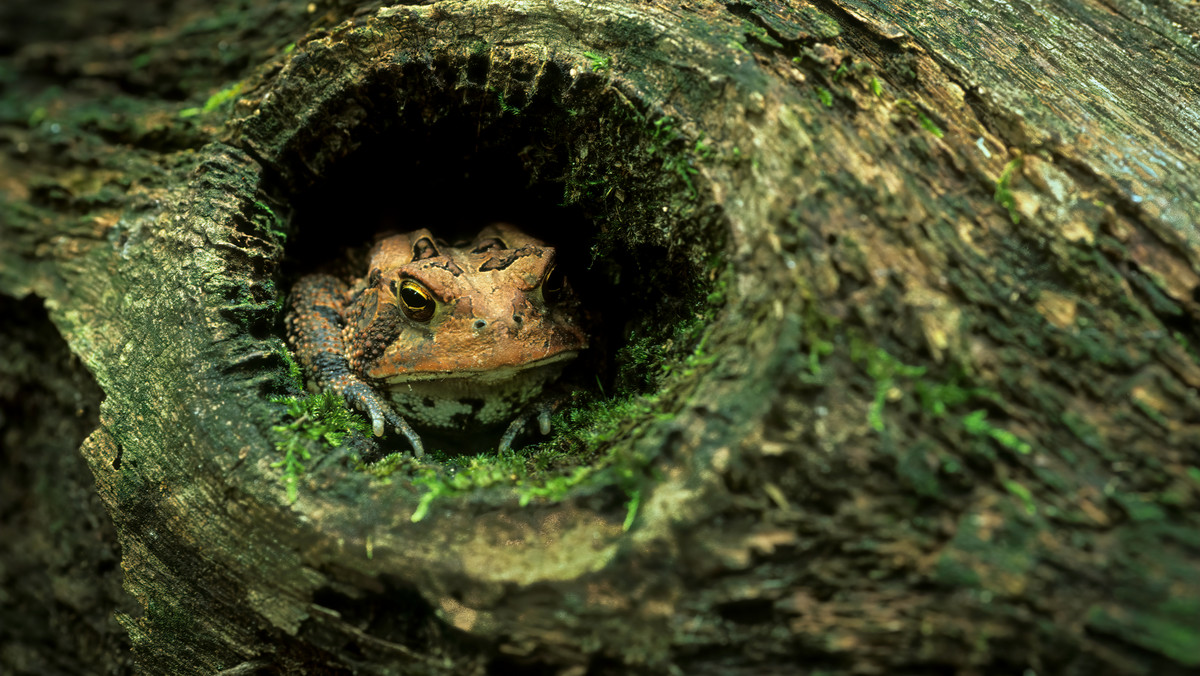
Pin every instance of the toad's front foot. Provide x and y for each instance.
(541, 410)
(365, 399)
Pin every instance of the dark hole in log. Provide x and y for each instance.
(464, 143)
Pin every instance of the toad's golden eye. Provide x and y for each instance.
(554, 285)
(416, 301)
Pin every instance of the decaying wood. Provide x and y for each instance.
(944, 418)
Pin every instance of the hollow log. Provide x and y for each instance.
(894, 363)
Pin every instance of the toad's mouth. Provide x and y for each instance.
(484, 376)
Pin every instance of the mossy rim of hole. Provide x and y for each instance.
(572, 157)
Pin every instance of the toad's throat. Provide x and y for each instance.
(463, 399)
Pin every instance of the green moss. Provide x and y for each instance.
(716, 295)
(664, 135)
(275, 225)
(645, 359)
(631, 508)
(251, 304)
(459, 476)
(883, 368)
(36, 117)
(761, 35)
(505, 107)
(598, 62)
(824, 96)
(929, 125)
(876, 87)
(1138, 508)
(544, 472)
(660, 141)
(1182, 341)
(1023, 494)
(1003, 195)
(321, 418)
(818, 349)
(702, 150)
(215, 101)
(1168, 629)
(937, 398)
(293, 376)
(224, 96)
(1098, 345)
(926, 123)
(975, 424)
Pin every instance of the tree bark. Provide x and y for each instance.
(896, 350)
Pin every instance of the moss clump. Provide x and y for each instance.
(548, 471)
(598, 62)
(937, 399)
(225, 95)
(321, 418)
(1023, 494)
(911, 108)
(668, 141)
(883, 368)
(215, 101)
(1003, 195)
(975, 424)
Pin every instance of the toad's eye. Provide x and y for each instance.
(416, 301)
(554, 285)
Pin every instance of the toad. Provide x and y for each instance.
(454, 338)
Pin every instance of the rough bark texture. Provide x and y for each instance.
(940, 414)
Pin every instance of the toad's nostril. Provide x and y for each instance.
(480, 324)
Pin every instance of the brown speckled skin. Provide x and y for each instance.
(493, 341)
